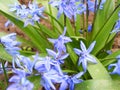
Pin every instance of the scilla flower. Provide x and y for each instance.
(6, 67)
(117, 25)
(19, 81)
(116, 66)
(70, 81)
(45, 64)
(10, 44)
(30, 14)
(84, 55)
(101, 4)
(57, 56)
(59, 44)
(68, 7)
(8, 23)
(24, 63)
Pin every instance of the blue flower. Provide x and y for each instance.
(45, 64)
(16, 8)
(57, 56)
(19, 81)
(101, 4)
(89, 27)
(91, 5)
(117, 27)
(10, 44)
(50, 78)
(30, 14)
(6, 67)
(77, 9)
(34, 14)
(25, 63)
(59, 43)
(116, 66)
(84, 55)
(68, 7)
(62, 6)
(9, 23)
(109, 52)
(70, 81)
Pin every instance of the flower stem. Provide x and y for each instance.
(5, 74)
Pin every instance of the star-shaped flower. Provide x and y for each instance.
(70, 81)
(68, 7)
(10, 44)
(19, 81)
(84, 55)
(57, 56)
(59, 44)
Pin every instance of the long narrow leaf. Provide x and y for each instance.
(98, 85)
(98, 71)
(103, 36)
(101, 18)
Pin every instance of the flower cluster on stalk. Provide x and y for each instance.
(47, 67)
(71, 8)
(30, 14)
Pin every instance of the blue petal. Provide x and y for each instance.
(91, 47)
(83, 47)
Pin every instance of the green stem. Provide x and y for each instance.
(65, 20)
(51, 14)
(87, 14)
(74, 26)
(5, 74)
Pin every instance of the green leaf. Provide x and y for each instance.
(98, 71)
(36, 81)
(98, 85)
(103, 36)
(70, 29)
(48, 32)
(72, 54)
(52, 13)
(101, 18)
(69, 71)
(110, 58)
(118, 2)
(77, 24)
(27, 53)
(4, 55)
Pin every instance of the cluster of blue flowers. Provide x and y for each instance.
(73, 7)
(48, 67)
(30, 14)
(22, 63)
